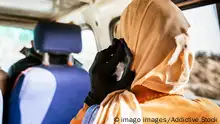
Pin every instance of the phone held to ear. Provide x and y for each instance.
(110, 71)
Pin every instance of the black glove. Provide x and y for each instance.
(103, 79)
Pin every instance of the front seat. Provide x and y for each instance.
(50, 93)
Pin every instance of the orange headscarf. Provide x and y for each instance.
(156, 32)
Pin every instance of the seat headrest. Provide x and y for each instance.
(57, 38)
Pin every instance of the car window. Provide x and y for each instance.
(205, 41)
(12, 40)
(89, 49)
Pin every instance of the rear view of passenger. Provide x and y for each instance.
(51, 93)
(157, 34)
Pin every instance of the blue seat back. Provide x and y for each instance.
(50, 94)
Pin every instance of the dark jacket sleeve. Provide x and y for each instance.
(12, 75)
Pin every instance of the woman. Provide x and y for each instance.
(157, 34)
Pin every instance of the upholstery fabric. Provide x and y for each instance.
(57, 38)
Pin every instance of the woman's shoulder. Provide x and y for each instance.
(182, 106)
(202, 104)
(207, 105)
(210, 111)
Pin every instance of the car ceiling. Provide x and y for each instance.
(42, 9)
(38, 9)
(24, 12)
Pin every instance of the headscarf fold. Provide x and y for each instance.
(156, 33)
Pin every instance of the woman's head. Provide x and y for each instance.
(153, 29)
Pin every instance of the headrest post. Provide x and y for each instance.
(46, 59)
(70, 60)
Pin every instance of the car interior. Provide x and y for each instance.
(53, 93)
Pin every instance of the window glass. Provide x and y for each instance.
(89, 49)
(12, 40)
(205, 43)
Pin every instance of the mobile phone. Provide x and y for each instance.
(126, 63)
(128, 59)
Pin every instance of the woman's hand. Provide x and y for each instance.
(103, 79)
